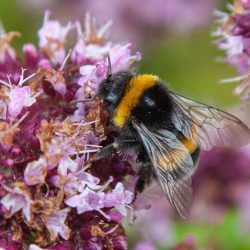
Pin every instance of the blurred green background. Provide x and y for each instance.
(188, 63)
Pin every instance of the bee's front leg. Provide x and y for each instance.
(115, 147)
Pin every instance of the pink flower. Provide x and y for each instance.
(35, 172)
(233, 45)
(88, 200)
(93, 52)
(17, 198)
(56, 224)
(52, 37)
(66, 165)
(20, 97)
(93, 74)
(57, 80)
(246, 3)
(121, 57)
(86, 180)
(232, 34)
(47, 141)
(93, 45)
(73, 181)
(119, 198)
(31, 55)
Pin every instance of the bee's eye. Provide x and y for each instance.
(112, 97)
(149, 101)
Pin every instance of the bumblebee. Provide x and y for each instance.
(167, 130)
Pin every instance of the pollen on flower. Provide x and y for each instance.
(47, 183)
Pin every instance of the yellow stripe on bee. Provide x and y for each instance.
(134, 91)
(167, 163)
(190, 145)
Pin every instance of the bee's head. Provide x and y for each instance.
(112, 88)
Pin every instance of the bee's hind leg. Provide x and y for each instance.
(116, 147)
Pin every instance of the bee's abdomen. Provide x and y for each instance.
(192, 147)
(193, 150)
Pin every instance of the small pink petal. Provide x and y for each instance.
(121, 57)
(35, 172)
(18, 198)
(56, 224)
(20, 97)
(66, 164)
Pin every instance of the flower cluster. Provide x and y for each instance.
(50, 194)
(156, 17)
(232, 34)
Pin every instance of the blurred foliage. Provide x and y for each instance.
(18, 18)
(225, 235)
(188, 64)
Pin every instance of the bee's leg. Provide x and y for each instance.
(117, 146)
(145, 176)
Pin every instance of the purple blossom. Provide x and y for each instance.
(56, 224)
(57, 80)
(246, 3)
(35, 172)
(16, 199)
(156, 17)
(31, 54)
(119, 198)
(19, 97)
(232, 35)
(172, 16)
(72, 180)
(46, 142)
(52, 36)
(120, 56)
(89, 200)
(93, 74)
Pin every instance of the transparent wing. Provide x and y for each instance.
(208, 126)
(179, 192)
(173, 166)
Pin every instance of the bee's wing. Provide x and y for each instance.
(208, 126)
(173, 166)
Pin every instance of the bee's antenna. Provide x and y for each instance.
(74, 102)
(109, 65)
